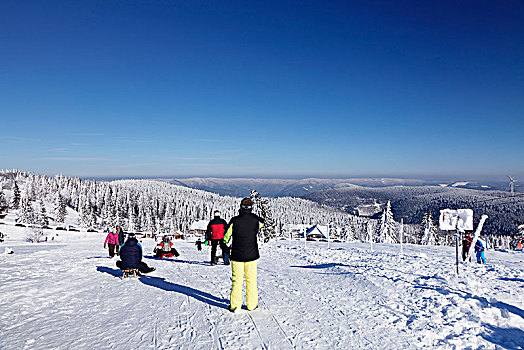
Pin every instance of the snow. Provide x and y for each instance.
(199, 225)
(68, 294)
(460, 183)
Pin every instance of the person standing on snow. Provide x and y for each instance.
(111, 242)
(199, 244)
(121, 236)
(466, 244)
(243, 228)
(215, 234)
(480, 246)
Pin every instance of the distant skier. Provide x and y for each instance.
(215, 234)
(165, 248)
(244, 228)
(199, 244)
(111, 242)
(480, 246)
(466, 244)
(131, 256)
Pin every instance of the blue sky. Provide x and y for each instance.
(265, 89)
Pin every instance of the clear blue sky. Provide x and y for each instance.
(265, 88)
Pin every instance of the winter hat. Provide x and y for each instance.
(246, 203)
(217, 213)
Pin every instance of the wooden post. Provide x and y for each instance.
(401, 234)
(457, 249)
(370, 236)
(328, 236)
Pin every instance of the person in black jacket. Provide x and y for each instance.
(131, 255)
(243, 229)
(121, 237)
(215, 234)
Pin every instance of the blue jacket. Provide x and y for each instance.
(131, 254)
(479, 246)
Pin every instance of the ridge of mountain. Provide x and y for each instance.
(241, 187)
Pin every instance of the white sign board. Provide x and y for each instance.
(451, 220)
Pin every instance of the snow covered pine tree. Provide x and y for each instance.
(42, 219)
(387, 227)
(268, 231)
(429, 231)
(15, 202)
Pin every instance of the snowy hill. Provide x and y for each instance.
(411, 202)
(69, 295)
(238, 187)
(282, 187)
(149, 206)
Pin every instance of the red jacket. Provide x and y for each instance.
(216, 228)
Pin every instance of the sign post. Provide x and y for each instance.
(328, 235)
(457, 235)
(370, 236)
(305, 237)
(459, 220)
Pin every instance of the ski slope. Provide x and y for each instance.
(67, 294)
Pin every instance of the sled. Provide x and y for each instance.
(128, 272)
(166, 255)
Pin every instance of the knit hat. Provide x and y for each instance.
(246, 203)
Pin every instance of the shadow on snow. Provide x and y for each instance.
(321, 266)
(108, 270)
(177, 260)
(511, 279)
(161, 283)
(508, 338)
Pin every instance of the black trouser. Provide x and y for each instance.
(465, 250)
(112, 249)
(223, 247)
(143, 268)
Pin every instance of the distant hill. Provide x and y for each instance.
(241, 187)
(410, 198)
(410, 202)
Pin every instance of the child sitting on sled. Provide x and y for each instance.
(165, 249)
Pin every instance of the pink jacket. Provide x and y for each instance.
(112, 238)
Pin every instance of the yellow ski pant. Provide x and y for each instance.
(238, 268)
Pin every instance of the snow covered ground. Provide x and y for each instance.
(67, 294)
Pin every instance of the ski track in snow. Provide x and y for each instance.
(69, 294)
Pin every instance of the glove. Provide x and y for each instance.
(105, 246)
(206, 243)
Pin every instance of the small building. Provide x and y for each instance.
(178, 235)
(198, 228)
(317, 232)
